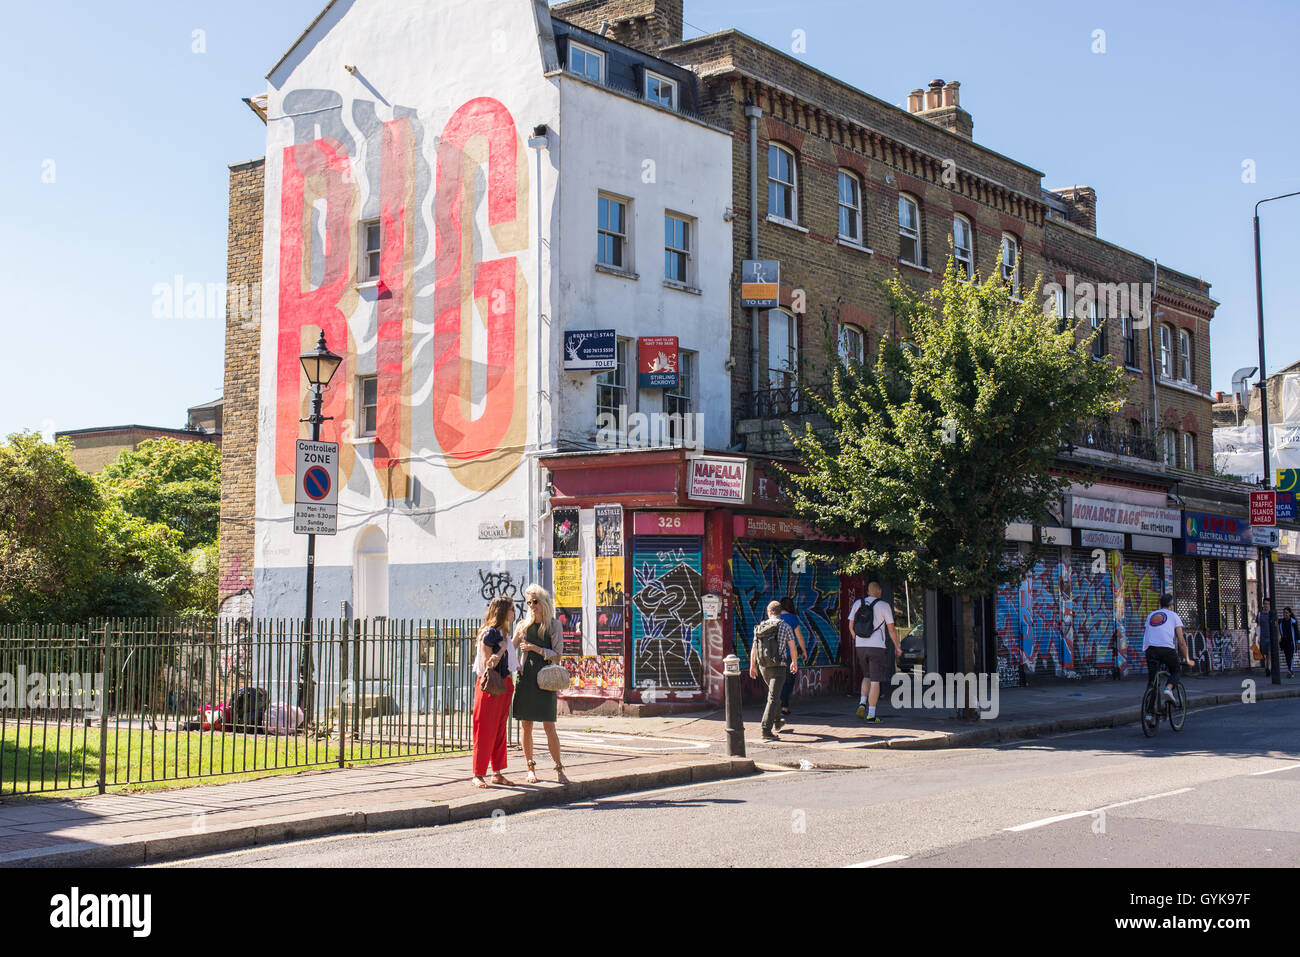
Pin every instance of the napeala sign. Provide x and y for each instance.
(718, 480)
(1123, 517)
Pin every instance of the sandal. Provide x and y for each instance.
(501, 780)
(479, 782)
(532, 772)
(560, 776)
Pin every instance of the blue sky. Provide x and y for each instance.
(136, 129)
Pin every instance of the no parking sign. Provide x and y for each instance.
(316, 495)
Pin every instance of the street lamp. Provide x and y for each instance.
(320, 365)
(1274, 652)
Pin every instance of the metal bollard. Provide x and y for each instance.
(735, 722)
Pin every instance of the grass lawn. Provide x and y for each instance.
(65, 761)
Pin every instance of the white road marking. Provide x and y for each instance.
(1289, 767)
(582, 739)
(880, 860)
(1043, 822)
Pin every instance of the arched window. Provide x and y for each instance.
(1189, 451)
(909, 230)
(1099, 345)
(782, 183)
(783, 360)
(850, 204)
(963, 245)
(1011, 263)
(1167, 352)
(852, 342)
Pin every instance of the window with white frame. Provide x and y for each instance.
(660, 90)
(367, 405)
(909, 230)
(1058, 309)
(678, 239)
(1130, 343)
(587, 62)
(1184, 355)
(678, 400)
(1189, 451)
(1011, 263)
(783, 359)
(1169, 448)
(850, 204)
(1166, 352)
(1097, 320)
(963, 246)
(782, 183)
(611, 232)
(371, 237)
(611, 385)
(851, 342)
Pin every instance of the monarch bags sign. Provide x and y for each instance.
(1124, 517)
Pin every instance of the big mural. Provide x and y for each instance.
(441, 277)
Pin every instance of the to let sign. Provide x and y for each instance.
(1263, 508)
(760, 284)
(316, 495)
(657, 362)
(594, 350)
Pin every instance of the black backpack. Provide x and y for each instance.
(767, 635)
(864, 621)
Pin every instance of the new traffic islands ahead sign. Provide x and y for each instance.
(316, 496)
(1263, 508)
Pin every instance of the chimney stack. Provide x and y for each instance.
(1081, 202)
(941, 105)
(645, 25)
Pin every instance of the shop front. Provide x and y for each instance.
(1210, 589)
(662, 563)
(1080, 610)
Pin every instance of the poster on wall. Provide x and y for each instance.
(567, 572)
(609, 580)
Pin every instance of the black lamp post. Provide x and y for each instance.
(1274, 652)
(320, 365)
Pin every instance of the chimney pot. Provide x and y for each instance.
(916, 101)
(951, 94)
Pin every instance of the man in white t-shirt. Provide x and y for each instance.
(1162, 634)
(870, 628)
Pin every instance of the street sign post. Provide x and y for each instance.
(316, 484)
(1263, 508)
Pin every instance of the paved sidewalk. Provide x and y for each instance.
(830, 723)
(117, 830)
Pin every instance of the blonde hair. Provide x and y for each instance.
(543, 612)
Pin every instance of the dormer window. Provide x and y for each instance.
(661, 91)
(587, 62)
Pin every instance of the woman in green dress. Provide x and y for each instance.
(539, 640)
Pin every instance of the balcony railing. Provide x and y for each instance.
(771, 403)
(1118, 443)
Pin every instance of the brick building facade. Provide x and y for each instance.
(243, 336)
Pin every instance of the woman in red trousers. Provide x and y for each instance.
(492, 712)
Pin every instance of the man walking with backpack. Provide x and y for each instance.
(773, 654)
(872, 620)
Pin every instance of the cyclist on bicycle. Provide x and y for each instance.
(1162, 634)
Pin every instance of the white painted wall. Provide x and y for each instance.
(662, 161)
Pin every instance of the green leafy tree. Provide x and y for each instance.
(945, 439)
(172, 483)
(48, 525)
(69, 552)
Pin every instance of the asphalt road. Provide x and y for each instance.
(1223, 793)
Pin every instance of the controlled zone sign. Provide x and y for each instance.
(316, 488)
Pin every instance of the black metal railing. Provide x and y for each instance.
(772, 403)
(1118, 443)
(114, 703)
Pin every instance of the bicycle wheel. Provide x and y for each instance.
(1150, 718)
(1178, 707)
